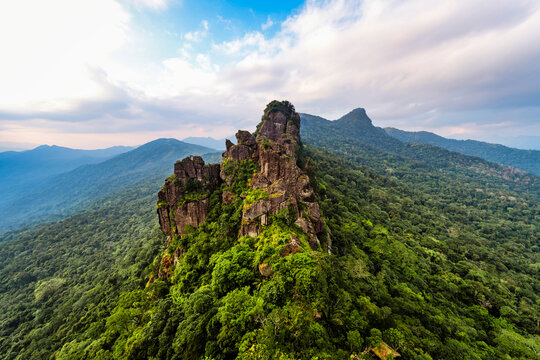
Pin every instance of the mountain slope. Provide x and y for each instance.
(18, 168)
(61, 195)
(415, 163)
(57, 277)
(47, 160)
(356, 124)
(427, 267)
(527, 160)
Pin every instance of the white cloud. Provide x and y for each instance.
(268, 24)
(446, 65)
(197, 36)
(395, 58)
(250, 41)
(50, 50)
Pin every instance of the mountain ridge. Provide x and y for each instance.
(527, 160)
(62, 194)
(332, 134)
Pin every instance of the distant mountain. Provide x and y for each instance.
(18, 168)
(354, 136)
(60, 195)
(356, 124)
(528, 160)
(218, 144)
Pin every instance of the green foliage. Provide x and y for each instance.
(252, 196)
(63, 279)
(279, 106)
(241, 172)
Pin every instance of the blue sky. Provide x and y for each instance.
(96, 73)
(224, 21)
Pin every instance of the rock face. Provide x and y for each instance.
(183, 200)
(275, 147)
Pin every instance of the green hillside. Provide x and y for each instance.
(527, 160)
(56, 277)
(21, 169)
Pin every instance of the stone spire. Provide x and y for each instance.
(275, 147)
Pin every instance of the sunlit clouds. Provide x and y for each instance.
(459, 68)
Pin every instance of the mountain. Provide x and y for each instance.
(209, 142)
(528, 160)
(324, 244)
(48, 160)
(19, 168)
(353, 136)
(356, 124)
(58, 196)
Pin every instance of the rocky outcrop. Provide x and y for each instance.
(244, 150)
(275, 148)
(183, 200)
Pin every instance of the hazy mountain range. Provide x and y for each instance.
(39, 192)
(51, 182)
(527, 160)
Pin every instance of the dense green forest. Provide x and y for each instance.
(57, 276)
(435, 255)
(527, 160)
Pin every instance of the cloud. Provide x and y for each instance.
(453, 67)
(268, 24)
(197, 36)
(151, 4)
(50, 50)
(398, 59)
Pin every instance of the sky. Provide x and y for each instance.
(97, 73)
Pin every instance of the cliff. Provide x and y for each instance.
(277, 184)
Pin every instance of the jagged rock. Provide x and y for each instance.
(191, 176)
(194, 168)
(240, 152)
(275, 149)
(192, 213)
(245, 149)
(245, 138)
(249, 228)
(278, 143)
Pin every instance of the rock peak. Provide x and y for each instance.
(356, 116)
(277, 180)
(279, 120)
